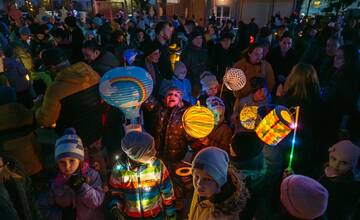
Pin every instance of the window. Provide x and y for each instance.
(223, 12)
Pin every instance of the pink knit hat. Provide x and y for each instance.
(303, 197)
(346, 151)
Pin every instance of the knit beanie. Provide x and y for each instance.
(214, 162)
(180, 68)
(246, 145)
(149, 48)
(136, 144)
(303, 197)
(69, 145)
(196, 33)
(24, 31)
(207, 80)
(98, 21)
(346, 151)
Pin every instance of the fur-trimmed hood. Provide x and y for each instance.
(226, 205)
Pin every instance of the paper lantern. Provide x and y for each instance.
(126, 88)
(234, 79)
(198, 121)
(275, 126)
(248, 117)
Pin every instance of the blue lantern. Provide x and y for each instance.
(126, 88)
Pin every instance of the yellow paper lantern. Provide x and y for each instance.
(275, 126)
(248, 116)
(198, 121)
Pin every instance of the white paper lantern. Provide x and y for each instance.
(234, 79)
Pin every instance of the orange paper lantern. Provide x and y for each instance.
(275, 126)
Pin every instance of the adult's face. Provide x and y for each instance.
(90, 55)
(197, 41)
(140, 36)
(166, 33)
(154, 56)
(285, 44)
(225, 43)
(331, 47)
(339, 59)
(256, 55)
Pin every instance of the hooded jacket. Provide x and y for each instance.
(72, 100)
(222, 208)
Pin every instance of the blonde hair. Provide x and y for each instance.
(302, 82)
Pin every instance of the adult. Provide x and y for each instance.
(76, 37)
(163, 32)
(195, 57)
(222, 55)
(283, 58)
(253, 65)
(100, 60)
(72, 100)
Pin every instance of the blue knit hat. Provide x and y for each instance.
(214, 162)
(69, 145)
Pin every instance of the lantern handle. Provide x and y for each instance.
(297, 108)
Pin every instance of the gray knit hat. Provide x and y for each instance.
(136, 144)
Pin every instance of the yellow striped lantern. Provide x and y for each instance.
(198, 121)
(275, 126)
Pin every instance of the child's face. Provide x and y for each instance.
(149, 156)
(172, 98)
(340, 167)
(204, 184)
(68, 165)
(212, 90)
(260, 95)
(180, 74)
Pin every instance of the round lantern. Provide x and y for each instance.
(234, 79)
(275, 126)
(126, 88)
(198, 121)
(248, 117)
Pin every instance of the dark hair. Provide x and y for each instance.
(92, 45)
(285, 35)
(58, 32)
(351, 58)
(71, 21)
(53, 56)
(160, 26)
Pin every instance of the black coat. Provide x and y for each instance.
(105, 62)
(282, 65)
(220, 59)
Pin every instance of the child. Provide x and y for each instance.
(141, 185)
(340, 180)
(303, 198)
(210, 86)
(76, 190)
(219, 193)
(220, 136)
(179, 80)
(259, 97)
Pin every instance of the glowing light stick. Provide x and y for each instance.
(294, 137)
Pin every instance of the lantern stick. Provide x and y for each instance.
(297, 108)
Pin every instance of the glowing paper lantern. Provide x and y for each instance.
(126, 88)
(234, 79)
(248, 117)
(275, 126)
(198, 121)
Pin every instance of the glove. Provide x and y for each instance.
(76, 181)
(117, 213)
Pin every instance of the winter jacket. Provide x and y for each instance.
(220, 59)
(282, 65)
(196, 61)
(143, 193)
(16, 74)
(16, 196)
(72, 100)
(86, 202)
(164, 61)
(226, 205)
(344, 196)
(105, 62)
(17, 138)
(220, 136)
(23, 52)
(170, 136)
(263, 70)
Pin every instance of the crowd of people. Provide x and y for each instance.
(67, 154)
